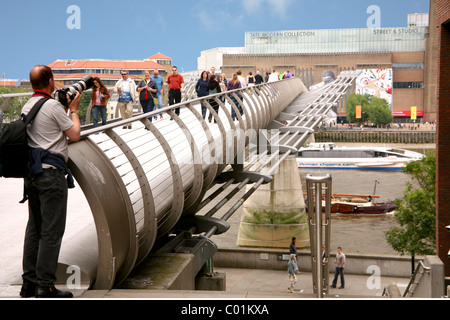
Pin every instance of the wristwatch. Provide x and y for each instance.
(74, 111)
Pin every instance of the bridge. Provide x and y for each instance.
(145, 185)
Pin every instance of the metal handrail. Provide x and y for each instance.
(386, 292)
(112, 169)
(421, 269)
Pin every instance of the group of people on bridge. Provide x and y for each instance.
(149, 92)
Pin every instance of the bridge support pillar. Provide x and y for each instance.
(276, 212)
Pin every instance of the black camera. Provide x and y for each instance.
(84, 84)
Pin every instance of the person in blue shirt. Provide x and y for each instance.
(292, 271)
(160, 83)
(202, 89)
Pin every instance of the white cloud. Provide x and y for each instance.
(275, 7)
(252, 6)
(217, 20)
(280, 7)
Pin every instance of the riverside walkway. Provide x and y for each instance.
(240, 283)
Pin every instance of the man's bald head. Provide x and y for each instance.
(40, 77)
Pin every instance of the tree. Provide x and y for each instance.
(379, 112)
(353, 101)
(12, 108)
(416, 211)
(85, 99)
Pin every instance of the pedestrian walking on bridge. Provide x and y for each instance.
(292, 271)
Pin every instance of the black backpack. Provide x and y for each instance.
(14, 145)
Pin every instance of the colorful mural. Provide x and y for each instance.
(376, 82)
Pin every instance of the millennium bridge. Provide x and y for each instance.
(145, 185)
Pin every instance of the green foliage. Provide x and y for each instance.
(85, 99)
(13, 109)
(353, 101)
(261, 216)
(416, 212)
(375, 109)
(379, 112)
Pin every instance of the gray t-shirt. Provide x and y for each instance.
(46, 131)
(340, 260)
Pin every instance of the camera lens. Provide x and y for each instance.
(84, 84)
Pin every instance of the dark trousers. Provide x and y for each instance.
(215, 106)
(148, 106)
(233, 113)
(47, 206)
(174, 98)
(95, 111)
(339, 271)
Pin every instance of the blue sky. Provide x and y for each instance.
(37, 33)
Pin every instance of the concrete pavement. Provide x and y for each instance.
(240, 283)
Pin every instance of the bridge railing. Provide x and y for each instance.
(140, 182)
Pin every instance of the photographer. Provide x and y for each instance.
(46, 185)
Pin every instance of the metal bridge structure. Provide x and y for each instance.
(145, 185)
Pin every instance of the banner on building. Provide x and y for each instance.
(358, 112)
(413, 113)
(407, 113)
(376, 82)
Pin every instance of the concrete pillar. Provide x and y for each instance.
(276, 212)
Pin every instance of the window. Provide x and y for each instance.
(136, 72)
(417, 65)
(408, 85)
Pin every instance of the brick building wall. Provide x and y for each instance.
(310, 68)
(431, 61)
(443, 133)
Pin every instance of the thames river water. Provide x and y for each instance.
(363, 234)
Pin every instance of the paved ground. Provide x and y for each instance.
(245, 284)
(240, 283)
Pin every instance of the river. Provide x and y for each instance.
(363, 234)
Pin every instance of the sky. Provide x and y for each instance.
(40, 32)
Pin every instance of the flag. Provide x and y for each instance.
(3, 75)
(413, 113)
(358, 112)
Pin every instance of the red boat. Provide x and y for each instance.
(359, 204)
(373, 208)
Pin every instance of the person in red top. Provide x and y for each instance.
(176, 86)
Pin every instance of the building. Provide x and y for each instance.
(418, 20)
(9, 82)
(162, 60)
(214, 57)
(392, 61)
(67, 72)
(440, 23)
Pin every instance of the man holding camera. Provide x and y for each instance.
(46, 185)
(127, 95)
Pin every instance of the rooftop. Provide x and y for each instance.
(160, 56)
(104, 64)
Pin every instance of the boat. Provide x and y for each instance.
(358, 204)
(327, 155)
